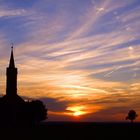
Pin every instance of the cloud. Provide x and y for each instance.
(85, 55)
(12, 12)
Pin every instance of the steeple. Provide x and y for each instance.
(11, 72)
(12, 63)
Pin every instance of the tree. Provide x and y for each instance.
(131, 115)
(36, 111)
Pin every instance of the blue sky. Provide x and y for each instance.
(81, 57)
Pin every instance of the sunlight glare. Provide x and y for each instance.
(77, 113)
(76, 110)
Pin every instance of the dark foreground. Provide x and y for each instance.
(74, 131)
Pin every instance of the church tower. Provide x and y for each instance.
(11, 73)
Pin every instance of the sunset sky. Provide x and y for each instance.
(80, 57)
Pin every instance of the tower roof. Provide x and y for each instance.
(12, 62)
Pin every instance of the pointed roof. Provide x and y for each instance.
(12, 62)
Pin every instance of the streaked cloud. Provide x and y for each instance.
(84, 58)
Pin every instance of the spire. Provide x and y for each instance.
(11, 73)
(12, 63)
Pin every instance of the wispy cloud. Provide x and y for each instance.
(82, 56)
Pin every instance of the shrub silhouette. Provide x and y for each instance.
(131, 115)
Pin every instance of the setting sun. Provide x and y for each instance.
(78, 113)
(76, 110)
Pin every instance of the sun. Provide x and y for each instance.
(77, 113)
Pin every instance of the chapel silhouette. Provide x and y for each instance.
(13, 109)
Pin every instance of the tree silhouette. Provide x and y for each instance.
(131, 115)
(26, 114)
(36, 111)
